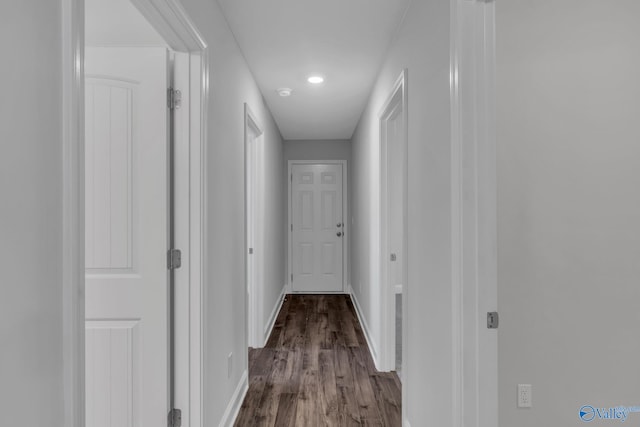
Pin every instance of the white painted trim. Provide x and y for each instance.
(173, 23)
(169, 18)
(112, 324)
(73, 212)
(398, 97)
(319, 293)
(233, 408)
(268, 328)
(473, 214)
(123, 44)
(346, 222)
(198, 242)
(255, 286)
(373, 348)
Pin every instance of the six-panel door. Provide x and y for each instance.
(318, 228)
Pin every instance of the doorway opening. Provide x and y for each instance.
(393, 225)
(145, 91)
(255, 245)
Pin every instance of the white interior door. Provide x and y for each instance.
(126, 237)
(317, 232)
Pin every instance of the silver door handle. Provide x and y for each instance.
(338, 234)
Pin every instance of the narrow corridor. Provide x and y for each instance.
(316, 370)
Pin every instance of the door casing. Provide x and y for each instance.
(170, 19)
(345, 209)
(254, 228)
(397, 101)
(474, 281)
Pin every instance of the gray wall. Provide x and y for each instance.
(275, 250)
(31, 381)
(334, 149)
(569, 208)
(422, 46)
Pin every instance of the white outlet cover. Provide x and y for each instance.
(524, 396)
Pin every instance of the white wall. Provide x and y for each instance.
(422, 46)
(569, 233)
(31, 384)
(231, 84)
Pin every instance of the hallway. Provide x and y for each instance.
(316, 370)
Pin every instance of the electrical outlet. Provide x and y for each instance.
(524, 396)
(229, 364)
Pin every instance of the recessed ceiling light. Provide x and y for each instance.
(284, 91)
(316, 80)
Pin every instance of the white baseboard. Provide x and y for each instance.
(231, 413)
(274, 315)
(365, 327)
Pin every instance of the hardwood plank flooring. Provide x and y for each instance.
(316, 370)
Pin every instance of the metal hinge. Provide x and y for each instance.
(292, 278)
(291, 227)
(250, 251)
(174, 259)
(175, 418)
(174, 98)
(493, 320)
(291, 177)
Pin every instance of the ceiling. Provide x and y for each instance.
(285, 41)
(117, 23)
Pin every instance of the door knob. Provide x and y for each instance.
(339, 234)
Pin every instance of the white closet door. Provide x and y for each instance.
(126, 237)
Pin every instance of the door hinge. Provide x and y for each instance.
(174, 259)
(291, 177)
(175, 418)
(250, 251)
(174, 98)
(493, 320)
(291, 278)
(291, 227)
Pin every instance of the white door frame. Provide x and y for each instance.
(396, 99)
(254, 223)
(473, 213)
(345, 209)
(169, 18)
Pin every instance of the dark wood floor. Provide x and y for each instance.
(316, 370)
